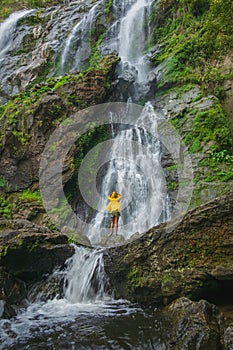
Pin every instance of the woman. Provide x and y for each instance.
(114, 207)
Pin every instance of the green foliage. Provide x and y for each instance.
(195, 147)
(3, 182)
(221, 176)
(5, 207)
(108, 5)
(218, 28)
(28, 195)
(9, 6)
(88, 141)
(222, 156)
(96, 56)
(209, 125)
(135, 280)
(189, 35)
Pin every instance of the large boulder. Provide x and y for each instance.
(190, 258)
(193, 325)
(29, 251)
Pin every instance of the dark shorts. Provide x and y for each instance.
(115, 214)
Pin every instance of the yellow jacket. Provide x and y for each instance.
(114, 204)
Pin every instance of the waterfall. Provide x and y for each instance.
(86, 280)
(135, 167)
(7, 29)
(132, 38)
(134, 171)
(78, 42)
(86, 303)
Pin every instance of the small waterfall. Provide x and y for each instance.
(132, 38)
(77, 46)
(7, 28)
(86, 280)
(76, 318)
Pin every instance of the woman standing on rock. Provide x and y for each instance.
(114, 207)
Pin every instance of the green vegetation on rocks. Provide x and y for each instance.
(9, 6)
(194, 51)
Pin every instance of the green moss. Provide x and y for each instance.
(172, 186)
(88, 141)
(33, 245)
(190, 35)
(167, 278)
(96, 56)
(29, 196)
(135, 279)
(3, 182)
(108, 7)
(195, 146)
(209, 125)
(5, 207)
(9, 6)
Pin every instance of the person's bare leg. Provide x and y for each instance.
(116, 223)
(111, 226)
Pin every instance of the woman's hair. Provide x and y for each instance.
(114, 194)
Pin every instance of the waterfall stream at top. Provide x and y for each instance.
(141, 181)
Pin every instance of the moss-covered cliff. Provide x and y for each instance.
(190, 51)
(193, 59)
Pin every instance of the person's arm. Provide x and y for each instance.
(119, 197)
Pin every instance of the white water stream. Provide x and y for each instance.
(7, 29)
(86, 295)
(135, 167)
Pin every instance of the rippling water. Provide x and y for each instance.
(58, 324)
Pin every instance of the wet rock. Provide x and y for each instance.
(228, 338)
(29, 251)
(20, 158)
(111, 240)
(194, 325)
(192, 258)
(49, 288)
(76, 236)
(12, 291)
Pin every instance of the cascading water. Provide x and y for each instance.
(132, 39)
(78, 42)
(86, 299)
(86, 281)
(7, 30)
(134, 170)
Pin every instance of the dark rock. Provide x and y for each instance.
(49, 288)
(228, 338)
(190, 258)
(194, 325)
(12, 291)
(29, 251)
(20, 158)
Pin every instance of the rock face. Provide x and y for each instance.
(194, 325)
(194, 258)
(24, 133)
(28, 252)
